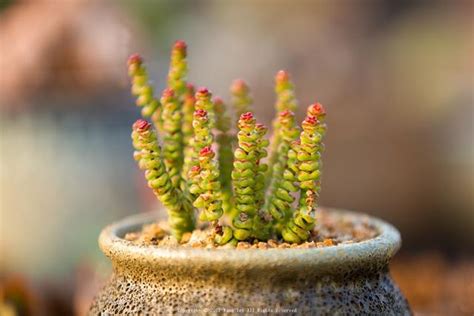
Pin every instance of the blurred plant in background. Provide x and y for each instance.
(397, 75)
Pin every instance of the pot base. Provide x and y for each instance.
(360, 294)
(345, 279)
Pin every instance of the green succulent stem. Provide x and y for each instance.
(188, 133)
(143, 91)
(204, 176)
(188, 111)
(224, 141)
(279, 202)
(308, 165)
(241, 99)
(204, 102)
(202, 138)
(262, 144)
(173, 136)
(149, 157)
(178, 70)
(262, 221)
(203, 122)
(286, 100)
(248, 180)
(209, 201)
(244, 177)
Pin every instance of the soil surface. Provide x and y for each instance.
(331, 229)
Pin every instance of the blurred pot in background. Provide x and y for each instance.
(73, 47)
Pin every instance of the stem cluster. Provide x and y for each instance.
(198, 163)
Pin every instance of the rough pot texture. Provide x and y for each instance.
(343, 279)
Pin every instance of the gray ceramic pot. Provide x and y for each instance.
(344, 279)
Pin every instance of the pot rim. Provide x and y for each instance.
(375, 252)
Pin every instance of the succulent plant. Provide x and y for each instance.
(148, 154)
(205, 167)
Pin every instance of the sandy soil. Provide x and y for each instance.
(331, 229)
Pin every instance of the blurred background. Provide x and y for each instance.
(396, 78)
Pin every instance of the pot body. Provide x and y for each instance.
(344, 279)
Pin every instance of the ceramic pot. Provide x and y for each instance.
(343, 279)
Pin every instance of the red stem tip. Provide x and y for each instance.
(238, 86)
(141, 125)
(168, 93)
(206, 152)
(135, 59)
(180, 46)
(200, 113)
(247, 116)
(316, 109)
(282, 76)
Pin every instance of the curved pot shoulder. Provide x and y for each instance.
(370, 254)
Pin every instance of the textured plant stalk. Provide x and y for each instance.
(286, 100)
(308, 155)
(262, 222)
(262, 144)
(188, 132)
(149, 157)
(204, 179)
(178, 70)
(316, 111)
(188, 111)
(241, 99)
(224, 141)
(279, 203)
(203, 122)
(202, 138)
(173, 136)
(241, 103)
(174, 111)
(143, 91)
(203, 102)
(244, 177)
(209, 201)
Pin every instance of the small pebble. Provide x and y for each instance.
(243, 245)
(132, 236)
